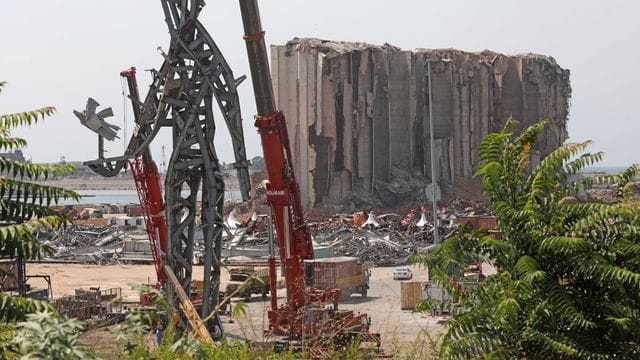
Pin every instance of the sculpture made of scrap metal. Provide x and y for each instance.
(192, 79)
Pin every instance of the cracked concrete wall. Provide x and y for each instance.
(358, 114)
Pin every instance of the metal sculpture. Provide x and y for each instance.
(181, 96)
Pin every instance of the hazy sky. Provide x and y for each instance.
(59, 52)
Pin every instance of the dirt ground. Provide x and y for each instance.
(65, 278)
(399, 328)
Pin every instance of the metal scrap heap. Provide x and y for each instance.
(388, 239)
(91, 243)
(385, 240)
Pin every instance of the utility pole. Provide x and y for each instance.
(433, 161)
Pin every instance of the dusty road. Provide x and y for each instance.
(399, 328)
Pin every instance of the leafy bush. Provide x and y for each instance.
(47, 336)
(568, 281)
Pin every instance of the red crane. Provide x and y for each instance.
(147, 179)
(306, 314)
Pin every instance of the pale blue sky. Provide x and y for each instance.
(59, 52)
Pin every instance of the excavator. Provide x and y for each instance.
(180, 97)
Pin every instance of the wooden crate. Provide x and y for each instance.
(410, 294)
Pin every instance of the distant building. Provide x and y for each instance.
(17, 155)
(124, 220)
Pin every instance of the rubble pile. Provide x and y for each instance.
(99, 244)
(370, 247)
(607, 196)
(388, 240)
(383, 239)
(462, 207)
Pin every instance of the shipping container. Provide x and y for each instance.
(344, 273)
(487, 222)
(134, 210)
(478, 222)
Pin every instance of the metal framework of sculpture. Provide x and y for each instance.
(194, 75)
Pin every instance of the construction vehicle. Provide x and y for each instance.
(246, 281)
(344, 273)
(309, 315)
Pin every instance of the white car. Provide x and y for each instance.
(402, 273)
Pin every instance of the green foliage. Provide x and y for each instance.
(435, 306)
(14, 308)
(47, 336)
(24, 205)
(568, 281)
(239, 309)
(142, 323)
(8, 350)
(26, 118)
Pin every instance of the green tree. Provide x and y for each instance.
(568, 280)
(24, 205)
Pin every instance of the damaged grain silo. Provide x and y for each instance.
(358, 120)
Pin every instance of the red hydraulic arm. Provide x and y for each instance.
(306, 314)
(147, 179)
(294, 238)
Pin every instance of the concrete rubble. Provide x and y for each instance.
(383, 238)
(83, 243)
(358, 119)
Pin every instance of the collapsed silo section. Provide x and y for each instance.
(358, 115)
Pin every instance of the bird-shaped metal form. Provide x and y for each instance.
(95, 121)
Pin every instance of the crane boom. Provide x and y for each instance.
(294, 238)
(147, 179)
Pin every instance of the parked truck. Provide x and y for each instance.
(258, 284)
(345, 273)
